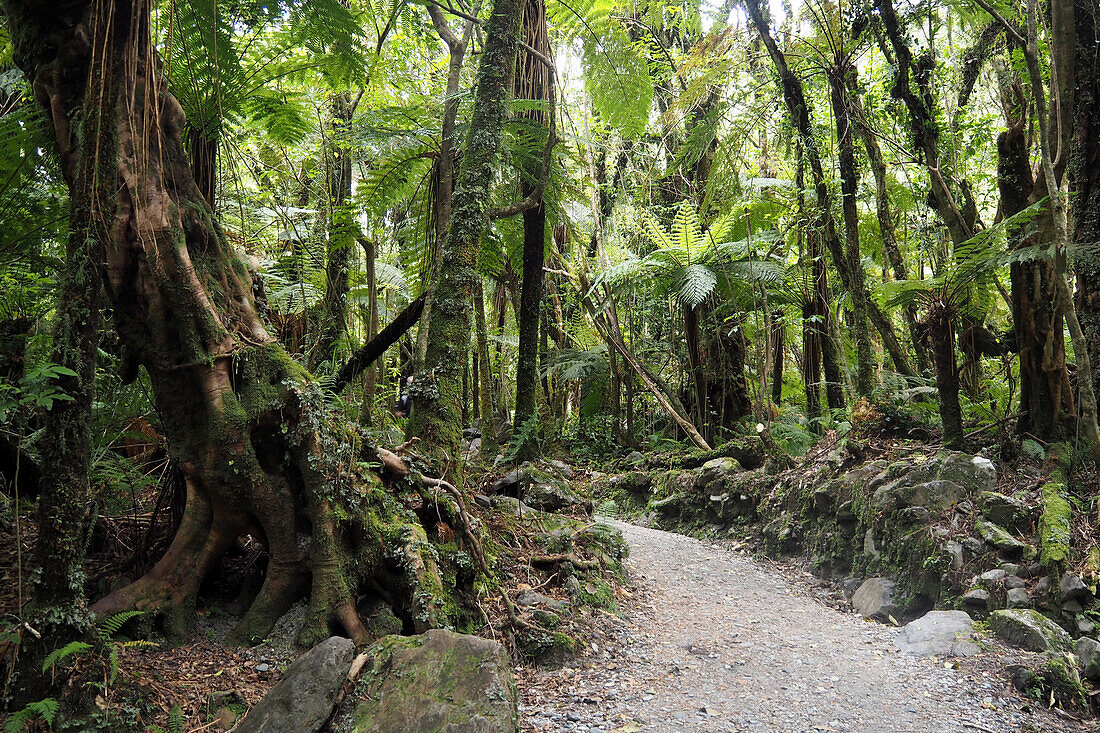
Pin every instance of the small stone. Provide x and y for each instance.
(1085, 627)
(964, 507)
(955, 551)
(263, 667)
(635, 458)
(993, 576)
(1000, 538)
(1017, 598)
(1011, 568)
(1013, 582)
(572, 585)
(973, 545)
(1073, 607)
(850, 586)
(976, 598)
(1088, 657)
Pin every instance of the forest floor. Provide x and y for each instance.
(713, 640)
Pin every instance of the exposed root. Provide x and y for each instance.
(479, 554)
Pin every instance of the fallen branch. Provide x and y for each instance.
(565, 557)
(377, 346)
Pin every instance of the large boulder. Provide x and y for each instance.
(939, 634)
(539, 489)
(438, 682)
(875, 599)
(303, 699)
(1031, 630)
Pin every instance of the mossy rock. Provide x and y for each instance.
(434, 682)
(1007, 511)
(1000, 538)
(1031, 630)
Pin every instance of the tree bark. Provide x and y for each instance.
(247, 426)
(436, 416)
(340, 234)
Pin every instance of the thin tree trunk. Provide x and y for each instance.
(485, 395)
(370, 378)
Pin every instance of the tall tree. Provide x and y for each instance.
(436, 417)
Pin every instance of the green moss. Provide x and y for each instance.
(1055, 530)
(1064, 682)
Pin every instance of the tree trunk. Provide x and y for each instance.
(436, 416)
(1046, 398)
(849, 182)
(941, 332)
(485, 395)
(340, 232)
(247, 426)
(1084, 175)
(370, 378)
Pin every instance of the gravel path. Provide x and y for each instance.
(717, 642)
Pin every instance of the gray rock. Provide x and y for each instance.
(1011, 568)
(509, 483)
(1012, 581)
(303, 699)
(1017, 598)
(1085, 627)
(993, 576)
(1000, 538)
(1031, 630)
(939, 634)
(1073, 588)
(1072, 607)
(850, 586)
(932, 495)
(875, 599)
(1007, 511)
(869, 548)
(1042, 585)
(976, 598)
(955, 551)
(551, 496)
(563, 468)
(635, 458)
(973, 545)
(572, 586)
(530, 599)
(438, 681)
(1088, 657)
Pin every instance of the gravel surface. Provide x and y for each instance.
(714, 641)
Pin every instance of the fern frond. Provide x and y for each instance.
(109, 626)
(60, 655)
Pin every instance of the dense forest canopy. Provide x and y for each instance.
(239, 232)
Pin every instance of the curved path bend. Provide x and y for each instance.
(715, 641)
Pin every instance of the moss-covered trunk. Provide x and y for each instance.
(341, 229)
(436, 415)
(1084, 174)
(245, 424)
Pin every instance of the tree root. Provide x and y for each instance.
(479, 554)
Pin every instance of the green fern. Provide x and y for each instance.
(110, 626)
(44, 710)
(60, 655)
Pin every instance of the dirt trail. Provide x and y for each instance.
(718, 642)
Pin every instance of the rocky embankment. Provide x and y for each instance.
(903, 532)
